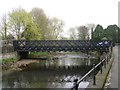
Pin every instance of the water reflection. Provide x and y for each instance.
(59, 73)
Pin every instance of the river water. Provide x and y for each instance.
(59, 73)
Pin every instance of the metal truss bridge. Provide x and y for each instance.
(61, 45)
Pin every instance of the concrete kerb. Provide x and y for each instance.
(112, 60)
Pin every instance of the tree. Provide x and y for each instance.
(0, 36)
(118, 35)
(98, 34)
(112, 32)
(3, 27)
(19, 20)
(56, 27)
(41, 20)
(73, 33)
(91, 27)
(31, 32)
(10, 37)
(83, 33)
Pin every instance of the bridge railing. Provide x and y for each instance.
(103, 61)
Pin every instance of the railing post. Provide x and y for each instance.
(101, 67)
(100, 64)
(110, 52)
(110, 55)
(105, 63)
(75, 84)
(76, 87)
(107, 58)
(94, 78)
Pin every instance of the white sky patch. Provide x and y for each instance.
(72, 12)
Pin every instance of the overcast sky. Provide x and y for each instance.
(72, 12)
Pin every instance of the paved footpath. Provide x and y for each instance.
(114, 70)
(119, 67)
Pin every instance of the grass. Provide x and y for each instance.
(8, 60)
(36, 54)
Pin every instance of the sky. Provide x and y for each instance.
(72, 12)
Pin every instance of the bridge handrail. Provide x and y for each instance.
(88, 73)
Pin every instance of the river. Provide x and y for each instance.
(59, 73)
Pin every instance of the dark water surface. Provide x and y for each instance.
(59, 73)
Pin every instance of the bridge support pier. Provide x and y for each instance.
(22, 54)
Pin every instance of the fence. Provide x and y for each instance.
(100, 64)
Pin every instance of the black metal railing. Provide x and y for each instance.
(103, 61)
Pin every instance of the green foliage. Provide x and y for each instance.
(118, 35)
(37, 54)
(8, 60)
(22, 24)
(50, 28)
(36, 25)
(98, 34)
(17, 19)
(41, 20)
(31, 32)
(112, 32)
(3, 27)
(30, 26)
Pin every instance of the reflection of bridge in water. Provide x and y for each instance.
(24, 46)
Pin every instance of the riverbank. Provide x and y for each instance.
(10, 61)
(16, 66)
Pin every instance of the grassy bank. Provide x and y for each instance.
(37, 54)
(50, 53)
(7, 60)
